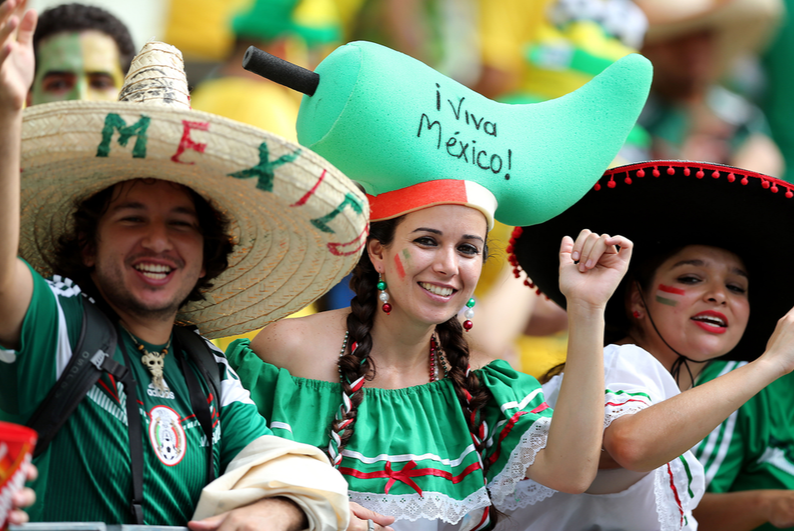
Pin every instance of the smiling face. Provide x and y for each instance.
(698, 300)
(149, 250)
(77, 66)
(433, 264)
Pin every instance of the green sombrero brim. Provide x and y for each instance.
(298, 223)
(676, 203)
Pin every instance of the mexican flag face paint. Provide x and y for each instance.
(77, 66)
(669, 295)
(403, 258)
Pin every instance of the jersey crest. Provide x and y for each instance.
(166, 435)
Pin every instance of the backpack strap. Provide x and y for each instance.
(202, 357)
(135, 433)
(91, 357)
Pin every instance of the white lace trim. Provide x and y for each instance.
(527, 492)
(432, 505)
(616, 412)
(667, 509)
(503, 486)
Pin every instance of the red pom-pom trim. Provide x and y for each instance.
(639, 173)
(715, 174)
(611, 183)
(687, 172)
(655, 172)
(774, 189)
(744, 181)
(628, 180)
(789, 194)
(699, 174)
(671, 170)
(731, 178)
(765, 184)
(597, 187)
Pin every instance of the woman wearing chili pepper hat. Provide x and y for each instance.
(703, 284)
(423, 429)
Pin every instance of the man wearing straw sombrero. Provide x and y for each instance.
(159, 215)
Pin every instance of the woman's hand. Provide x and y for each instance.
(360, 517)
(16, 53)
(24, 497)
(592, 267)
(780, 345)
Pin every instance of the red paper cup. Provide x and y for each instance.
(16, 448)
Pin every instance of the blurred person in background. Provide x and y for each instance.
(776, 100)
(82, 53)
(288, 29)
(690, 114)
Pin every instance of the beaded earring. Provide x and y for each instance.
(469, 314)
(383, 296)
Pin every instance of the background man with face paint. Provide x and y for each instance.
(82, 53)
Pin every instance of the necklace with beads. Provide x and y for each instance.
(152, 360)
(435, 353)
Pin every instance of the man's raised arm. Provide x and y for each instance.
(16, 75)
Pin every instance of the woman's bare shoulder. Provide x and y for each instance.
(306, 346)
(479, 359)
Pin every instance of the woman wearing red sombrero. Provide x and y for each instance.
(703, 283)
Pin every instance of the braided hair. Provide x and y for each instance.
(356, 366)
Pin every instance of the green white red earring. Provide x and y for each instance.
(469, 314)
(383, 296)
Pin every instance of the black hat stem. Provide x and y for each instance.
(280, 71)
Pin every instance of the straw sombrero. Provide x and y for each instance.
(662, 204)
(298, 223)
(740, 26)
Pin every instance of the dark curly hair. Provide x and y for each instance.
(79, 17)
(68, 262)
(471, 395)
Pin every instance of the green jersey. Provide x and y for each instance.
(752, 449)
(85, 475)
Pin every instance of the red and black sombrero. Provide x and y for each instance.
(663, 204)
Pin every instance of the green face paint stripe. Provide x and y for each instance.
(138, 130)
(57, 53)
(264, 169)
(350, 200)
(669, 302)
(689, 475)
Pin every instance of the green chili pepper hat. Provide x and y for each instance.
(298, 223)
(669, 204)
(414, 138)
